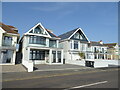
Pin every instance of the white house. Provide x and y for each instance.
(40, 46)
(8, 40)
(98, 50)
(74, 42)
(112, 50)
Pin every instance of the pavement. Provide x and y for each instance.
(13, 68)
(44, 67)
(64, 79)
(41, 67)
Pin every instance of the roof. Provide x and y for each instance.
(93, 43)
(67, 34)
(8, 28)
(110, 45)
(51, 34)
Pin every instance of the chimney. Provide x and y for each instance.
(101, 42)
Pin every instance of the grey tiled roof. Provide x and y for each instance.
(67, 34)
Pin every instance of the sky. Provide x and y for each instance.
(98, 20)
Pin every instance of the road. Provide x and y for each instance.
(65, 79)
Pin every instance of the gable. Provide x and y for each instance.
(41, 31)
(79, 35)
(67, 34)
(38, 29)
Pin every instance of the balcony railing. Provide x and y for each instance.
(7, 43)
(53, 45)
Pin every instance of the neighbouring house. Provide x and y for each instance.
(97, 49)
(75, 44)
(112, 50)
(9, 37)
(40, 46)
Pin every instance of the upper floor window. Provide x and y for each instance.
(75, 44)
(52, 43)
(95, 50)
(79, 36)
(7, 41)
(37, 40)
(102, 50)
(38, 30)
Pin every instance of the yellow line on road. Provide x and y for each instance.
(56, 75)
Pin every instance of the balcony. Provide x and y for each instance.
(7, 43)
(53, 45)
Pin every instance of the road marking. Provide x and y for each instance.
(86, 85)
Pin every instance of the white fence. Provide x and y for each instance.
(106, 63)
(76, 62)
(28, 65)
(99, 63)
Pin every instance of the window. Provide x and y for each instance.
(82, 47)
(77, 35)
(52, 43)
(95, 50)
(7, 41)
(75, 44)
(38, 30)
(54, 56)
(102, 50)
(37, 55)
(37, 40)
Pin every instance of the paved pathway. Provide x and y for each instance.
(13, 68)
(44, 67)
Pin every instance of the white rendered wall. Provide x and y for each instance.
(1, 38)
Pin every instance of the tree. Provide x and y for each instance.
(82, 55)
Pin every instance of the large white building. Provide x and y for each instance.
(40, 46)
(8, 40)
(74, 42)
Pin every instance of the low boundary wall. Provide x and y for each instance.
(28, 65)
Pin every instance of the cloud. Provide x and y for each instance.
(50, 7)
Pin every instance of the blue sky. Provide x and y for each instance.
(99, 20)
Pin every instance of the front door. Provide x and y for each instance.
(56, 56)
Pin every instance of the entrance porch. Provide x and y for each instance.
(46, 56)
